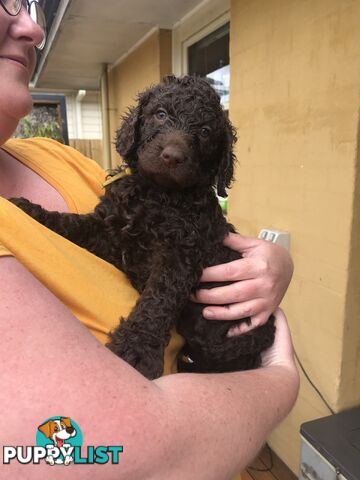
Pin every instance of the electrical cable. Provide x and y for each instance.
(312, 384)
(267, 469)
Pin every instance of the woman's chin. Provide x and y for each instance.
(11, 115)
(21, 105)
(24, 104)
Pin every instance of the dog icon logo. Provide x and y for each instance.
(58, 432)
(59, 441)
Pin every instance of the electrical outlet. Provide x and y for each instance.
(276, 236)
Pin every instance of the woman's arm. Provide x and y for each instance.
(260, 279)
(180, 426)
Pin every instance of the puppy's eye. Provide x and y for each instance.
(56, 428)
(161, 114)
(205, 131)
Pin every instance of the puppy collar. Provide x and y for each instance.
(119, 175)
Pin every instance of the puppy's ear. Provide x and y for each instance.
(46, 428)
(66, 420)
(126, 141)
(126, 136)
(226, 166)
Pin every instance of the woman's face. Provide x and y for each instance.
(18, 37)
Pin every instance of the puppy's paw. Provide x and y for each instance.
(140, 350)
(145, 359)
(22, 203)
(68, 460)
(151, 362)
(50, 460)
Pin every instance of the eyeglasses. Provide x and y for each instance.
(13, 7)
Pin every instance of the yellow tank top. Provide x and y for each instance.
(95, 291)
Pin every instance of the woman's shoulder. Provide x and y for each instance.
(77, 178)
(39, 148)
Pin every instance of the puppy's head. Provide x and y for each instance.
(179, 136)
(58, 430)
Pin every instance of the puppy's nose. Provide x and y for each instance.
(172, 155)
(69, 429)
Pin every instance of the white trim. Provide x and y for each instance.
(133, 48)
(78, 113)
(193, 12)
(106, 141)
(50, 40)
(65, 91)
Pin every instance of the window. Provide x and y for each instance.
(209, 58)
(47, 119)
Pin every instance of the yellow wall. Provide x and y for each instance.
(350, 379)
(144, 66)
(295, 69)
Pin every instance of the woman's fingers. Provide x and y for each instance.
(240, 243)
(260, 280)
(234, 293)
(233, 311)
(241, 269)
(255, 322)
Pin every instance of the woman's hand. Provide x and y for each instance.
(281, 353)
(281, 356)
(260, 279)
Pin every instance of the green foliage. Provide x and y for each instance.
(39, 123)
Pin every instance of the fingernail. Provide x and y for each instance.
(208, 313)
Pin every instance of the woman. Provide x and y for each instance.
(179, 426)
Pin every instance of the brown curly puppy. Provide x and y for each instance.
(162, 225)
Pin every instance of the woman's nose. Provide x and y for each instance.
(25, 28)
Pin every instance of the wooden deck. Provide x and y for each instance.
(268, 466)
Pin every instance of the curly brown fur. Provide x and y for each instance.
(162, 225)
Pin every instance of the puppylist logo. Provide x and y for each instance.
(59, 442)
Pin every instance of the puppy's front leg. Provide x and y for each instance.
(141, 339)
(72, 226)
(87, 231)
